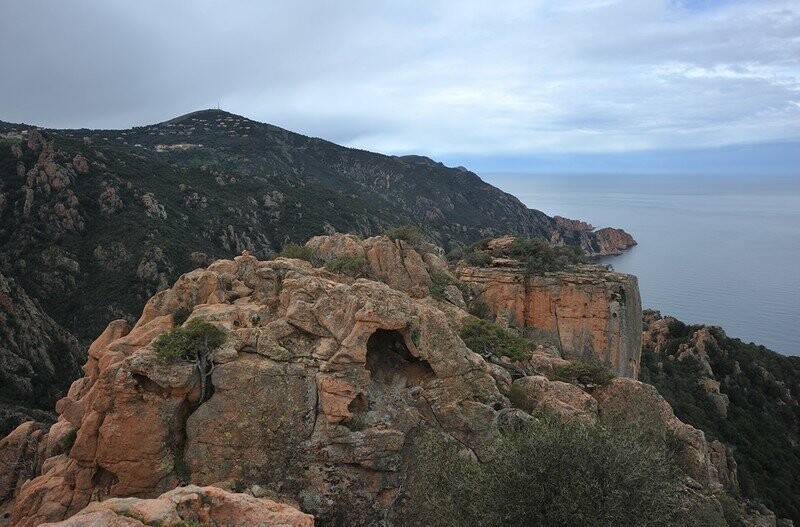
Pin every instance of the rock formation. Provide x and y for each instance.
(319, 391)
(591, 312)
(190, 505)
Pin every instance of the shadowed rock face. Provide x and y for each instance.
(37, 358)
(591, 312)
(318, 394)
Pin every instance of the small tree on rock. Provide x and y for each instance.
(194, 343)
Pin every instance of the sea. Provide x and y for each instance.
(712, 250)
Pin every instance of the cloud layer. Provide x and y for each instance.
(509, 78)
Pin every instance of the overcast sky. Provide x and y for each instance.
(516, 85)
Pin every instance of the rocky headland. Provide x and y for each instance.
(328, 373)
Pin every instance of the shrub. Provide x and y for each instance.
(299, 252)
(439, 282)
(478, 259)
(350, 265)
(188, 343)
(68, 441)
(409, 233)
(540, 256)
(455, 254)
(480, 245)
(548, 474)
(180, 315)
(583, 373)
(354, 424)
(484, 337)
(731, 510)
(677, 329)
(481, 310)
(180, 467)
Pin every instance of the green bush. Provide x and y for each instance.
(180, 467)
(548, 474)
(481, 310)
(180, 315)
(350, 265)
(439, 282)
(731, 510)
(354, 424)
(455, 254)
(540, 256)
(68, 440)
(299, 252)
(583, 373)
(484, 337)
(478, 259)
(409, 233)
(187, 343)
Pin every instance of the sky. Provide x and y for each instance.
(639, 86)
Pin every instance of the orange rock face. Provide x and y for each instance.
(592, 312)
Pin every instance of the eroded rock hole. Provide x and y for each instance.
(358, 405)
(103, 480)
(146, 384)
(389, 360)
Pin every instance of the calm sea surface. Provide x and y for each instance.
(712, 250)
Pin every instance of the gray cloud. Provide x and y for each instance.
(520, 77)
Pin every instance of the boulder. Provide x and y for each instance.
(560, 400)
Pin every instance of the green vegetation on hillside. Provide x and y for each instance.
(554, 474)
(408, 233)
(355, 266)
(763, 415)
(583, 373)
(537, 256)
(484, 337)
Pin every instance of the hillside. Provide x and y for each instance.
(741, 394)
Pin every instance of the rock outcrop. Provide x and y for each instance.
(591, 312)
(319, 392)
(321, 386)
(609, 240)
(191, 505)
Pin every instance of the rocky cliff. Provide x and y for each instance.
(323, 382)
(589, 312)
